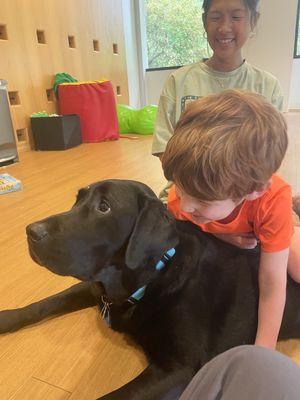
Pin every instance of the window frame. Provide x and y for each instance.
(297, 32)
(163, 68)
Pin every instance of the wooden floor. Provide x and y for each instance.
(74, 356)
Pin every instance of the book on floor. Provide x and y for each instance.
(9, 184)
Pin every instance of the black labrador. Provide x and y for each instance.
(181, 294)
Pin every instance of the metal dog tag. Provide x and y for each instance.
(105, 314)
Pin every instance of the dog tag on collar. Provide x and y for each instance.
(105, 314)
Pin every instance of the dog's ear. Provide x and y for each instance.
(153, 234)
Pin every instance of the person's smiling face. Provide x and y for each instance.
(203, 212)
(228, 25)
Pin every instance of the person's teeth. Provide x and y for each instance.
(225, 41)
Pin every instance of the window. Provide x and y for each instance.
(297, 37)
(174, 31)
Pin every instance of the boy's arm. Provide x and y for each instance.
(241, 240)
(272, 294)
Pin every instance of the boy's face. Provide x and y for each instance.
(204, 212)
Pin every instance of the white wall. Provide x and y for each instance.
(294, 102)
(154, 84)
(273, 47)
(131, 52)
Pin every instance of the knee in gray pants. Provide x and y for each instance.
(246, 373)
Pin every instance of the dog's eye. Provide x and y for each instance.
(104, 207)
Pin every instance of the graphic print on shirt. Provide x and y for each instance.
(185, 100)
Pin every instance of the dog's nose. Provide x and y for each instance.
(36, 231)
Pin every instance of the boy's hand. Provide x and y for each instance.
(241, 240)
(272, 279)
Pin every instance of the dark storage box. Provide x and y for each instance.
(56, 133)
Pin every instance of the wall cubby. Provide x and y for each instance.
(118, 90)
(41, 37)
(21, 135)
(115, 48)
(96, 45)
(14, 98)
(3, 32)
(50, 95)
(71, 41)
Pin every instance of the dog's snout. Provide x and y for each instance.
(36, 231)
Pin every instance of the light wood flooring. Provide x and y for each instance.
(75, 356)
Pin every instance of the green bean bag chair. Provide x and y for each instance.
(136, 121)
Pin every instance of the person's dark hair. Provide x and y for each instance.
(251, 4)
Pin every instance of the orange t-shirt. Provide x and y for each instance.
(269, 217)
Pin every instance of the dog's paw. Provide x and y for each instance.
(10, 321)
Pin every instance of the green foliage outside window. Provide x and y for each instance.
(174, 32)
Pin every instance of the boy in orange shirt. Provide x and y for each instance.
(222, 158)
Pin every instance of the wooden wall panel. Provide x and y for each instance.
(29, 67)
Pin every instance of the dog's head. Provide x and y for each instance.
(115, 233)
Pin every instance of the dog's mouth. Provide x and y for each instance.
(64, 259)
(53, 262)
(50, 261)
(33, 253)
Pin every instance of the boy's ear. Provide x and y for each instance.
(258, 193)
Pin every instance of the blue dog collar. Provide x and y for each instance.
(138, 294)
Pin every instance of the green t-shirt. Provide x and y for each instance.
(198, 80)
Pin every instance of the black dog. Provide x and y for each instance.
(182, 308)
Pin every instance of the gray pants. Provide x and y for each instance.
(246, 373)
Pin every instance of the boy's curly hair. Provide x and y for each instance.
(226, 146)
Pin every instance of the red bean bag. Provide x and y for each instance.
(95, 103)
